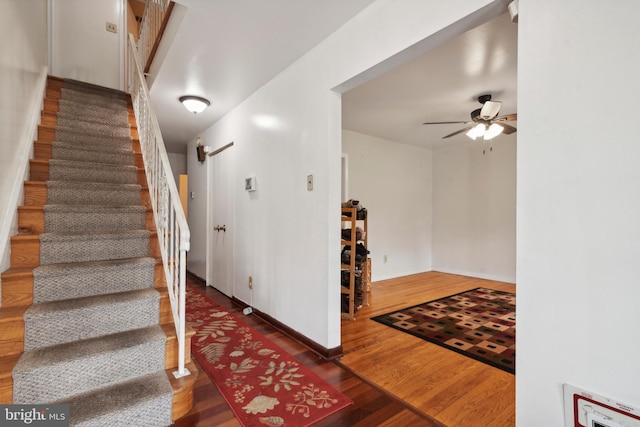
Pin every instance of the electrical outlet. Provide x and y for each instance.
(310, 182)
(250, 282)
(111, 27)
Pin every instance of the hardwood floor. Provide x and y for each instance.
(453, 389)
(433, 386)
(372, 406)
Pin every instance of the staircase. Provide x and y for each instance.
(85, 315)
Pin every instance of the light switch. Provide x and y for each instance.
(310, 182)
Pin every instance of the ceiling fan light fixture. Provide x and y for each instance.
(477, 131)
(490, 109)
(494, 130)
(194, 104)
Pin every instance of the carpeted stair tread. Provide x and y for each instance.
(72, 135)
(57, 322)
(99, 134)
(80, 279)
(70, 192)
(89, 98)
(56, 248)
(92, 336)
(90, 88)
(92, 113)
(69, 109)
(90, 128)
(93, 218)
(92, 153)
(143, 402)
(58, 372)
(70, 170)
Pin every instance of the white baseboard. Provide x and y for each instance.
(24, 150)
(475, 274)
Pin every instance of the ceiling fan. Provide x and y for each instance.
(485, 121)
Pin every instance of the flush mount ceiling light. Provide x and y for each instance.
(195, 104)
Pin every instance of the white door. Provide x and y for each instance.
(220, 233)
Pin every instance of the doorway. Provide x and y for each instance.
(220, 201)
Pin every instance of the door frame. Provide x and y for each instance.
(228, 288)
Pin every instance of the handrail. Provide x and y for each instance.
(154, 21)
(173, 231)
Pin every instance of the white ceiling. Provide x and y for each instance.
(442, 85)
(225, 50)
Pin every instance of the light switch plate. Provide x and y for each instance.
(310, 182)
(250, 183)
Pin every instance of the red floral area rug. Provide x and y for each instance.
(480, 323)
(263, 384)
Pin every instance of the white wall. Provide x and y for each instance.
(474, 209)
(393, 181)
(82, 48)
(178, 165)
(578, 204)
(197, 212)
(285, 236)
(23, 43)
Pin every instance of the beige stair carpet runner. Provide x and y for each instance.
(92, 336)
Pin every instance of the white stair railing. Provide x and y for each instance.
(171, 223)
(152, 25)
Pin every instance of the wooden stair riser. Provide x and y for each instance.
(12, 327)
(17, 288)
(6, 380)
(54, 83)
(171, 355)
(35, 194)
(183, 391)
(25, 251)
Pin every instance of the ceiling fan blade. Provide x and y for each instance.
(508, 129)
(441, 123)
(507, 118)
(490, 109)
(458, 132)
